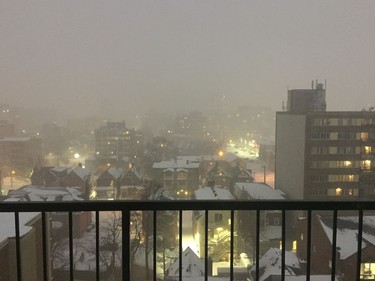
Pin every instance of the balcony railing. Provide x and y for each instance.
(126, 208)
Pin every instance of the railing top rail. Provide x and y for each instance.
(150, 205)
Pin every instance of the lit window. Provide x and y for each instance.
(338, 191)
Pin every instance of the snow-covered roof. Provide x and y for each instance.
(41, 193)
(115, 172)
(261, 191)
(213, 193)
(347, 231)
(192, 266)
(81, 172)
(181, 162)
(7, 229)
(270, 264)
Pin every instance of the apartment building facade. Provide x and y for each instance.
(115, 140)
(326, 154)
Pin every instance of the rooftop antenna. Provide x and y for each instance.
(312, 84)
(325, 84)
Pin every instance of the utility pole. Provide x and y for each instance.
(1, 184)
(264, 174)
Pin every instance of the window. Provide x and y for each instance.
(218, 217)
(338, 191)
(181, 175)
(347, 164)
(347, 136)
(343, 178)
(320, 136)
(319, 164)
(319, 150)
(321, 122)
(342, 191)
(364, 136)
(319, 178)
(367, 149)
(347, 150)
(367, 271)
(366, 165)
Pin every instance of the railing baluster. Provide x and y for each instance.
(44, 246)
(334, 244)
(71, 256)
(18, 246)
(180, 245)
(125, 217)
(257, 245)
(206, 246)
(97, 246)
(154, 230)
(283, 245)
(231, 243)
(359, 245)
(308, 246)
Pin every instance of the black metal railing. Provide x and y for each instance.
(126, 207)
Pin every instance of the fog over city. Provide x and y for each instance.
(119, 59)
(187, 140)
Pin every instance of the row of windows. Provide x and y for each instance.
(170, 175)
(334, 178)
(341, 121)
(338, 191)
(338, 135)
(334, 164)
(335, 150)
(364, 165)
(364, 136)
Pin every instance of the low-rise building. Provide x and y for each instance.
(180, 176)
(346, 252)
(219, 223)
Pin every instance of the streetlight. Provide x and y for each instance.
(12, 173)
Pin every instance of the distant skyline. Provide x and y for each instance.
(121, 58)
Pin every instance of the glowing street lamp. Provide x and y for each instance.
(12, 174)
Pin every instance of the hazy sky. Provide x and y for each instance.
(120, 58)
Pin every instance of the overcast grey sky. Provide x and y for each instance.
(124, 57)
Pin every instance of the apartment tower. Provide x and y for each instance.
(324, 155)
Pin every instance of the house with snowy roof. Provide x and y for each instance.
(193, 268)
(132, 177)
(270, 268)
(218, 223)
(227, 176)
(270, 264)
(30, 193)
(30, 242)
(62, 177)
(180, 176)
(106, 182)
(270, 220)
(346, 245)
